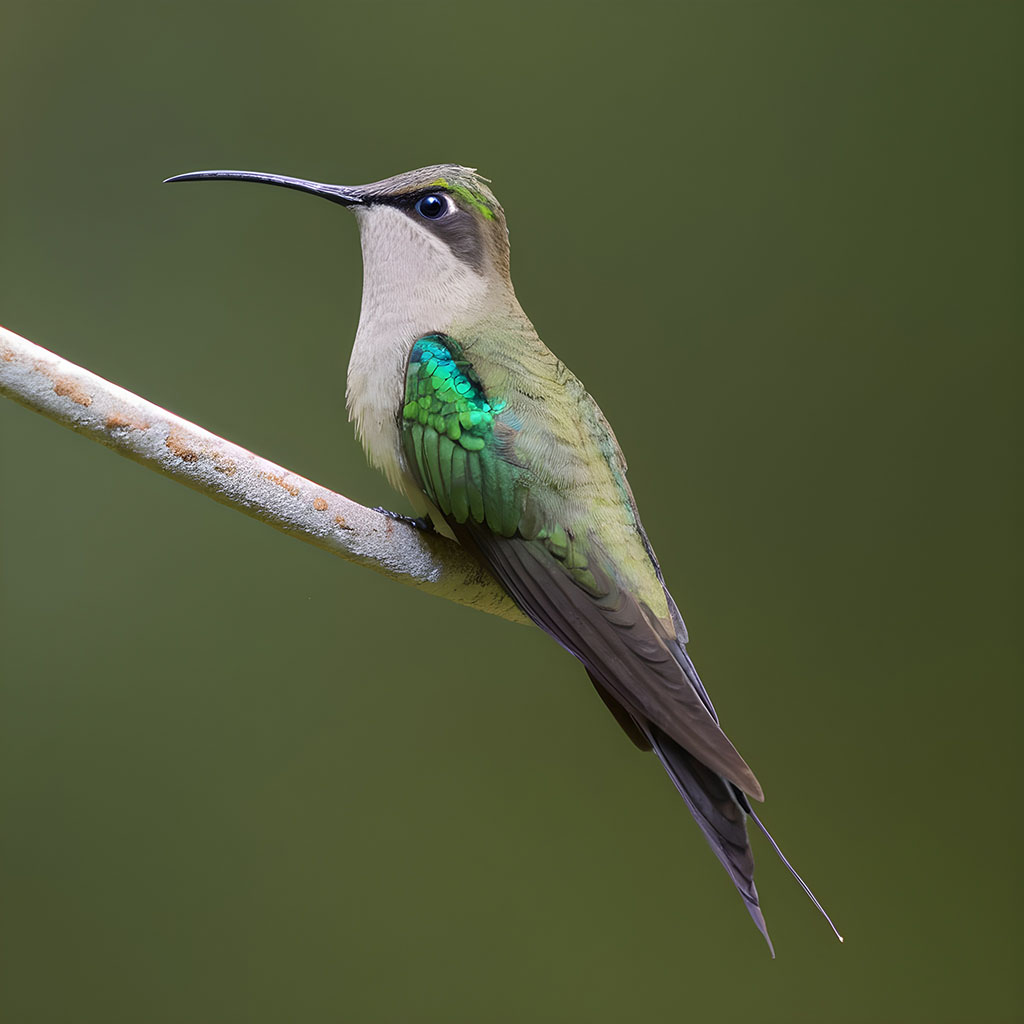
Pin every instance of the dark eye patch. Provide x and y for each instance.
(459, 229)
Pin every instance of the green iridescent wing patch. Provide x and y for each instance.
(451, 439)
(461, 449)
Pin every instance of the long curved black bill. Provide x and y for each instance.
(344, 194)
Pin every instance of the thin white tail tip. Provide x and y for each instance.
(792, 871)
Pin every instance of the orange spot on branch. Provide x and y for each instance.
(292, 489)
(66, 387)
(177, 445)
(115, 421)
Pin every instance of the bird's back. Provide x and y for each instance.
(567, 541)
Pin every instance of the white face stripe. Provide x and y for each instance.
(458, 227)
(408, 271)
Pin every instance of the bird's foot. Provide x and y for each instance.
(421, 523)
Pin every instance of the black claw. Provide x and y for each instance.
(422, 523)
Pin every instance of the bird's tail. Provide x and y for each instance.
(715, 806)
(721, 810)
(728, 840)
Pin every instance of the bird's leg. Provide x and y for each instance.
(421, 523)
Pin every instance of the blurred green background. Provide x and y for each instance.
(776, 242)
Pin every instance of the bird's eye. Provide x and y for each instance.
(432, 206)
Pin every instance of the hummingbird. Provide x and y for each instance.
(497, 445)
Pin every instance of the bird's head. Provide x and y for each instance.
(437, 226)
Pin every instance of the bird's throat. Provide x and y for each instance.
(412, 286)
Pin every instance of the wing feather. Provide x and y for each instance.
(464, 455)
(510, 503)
(623, 647)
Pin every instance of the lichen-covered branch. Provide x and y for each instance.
(133, 427)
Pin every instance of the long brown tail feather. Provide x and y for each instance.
(713, 803)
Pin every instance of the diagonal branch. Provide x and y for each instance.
(133, 427)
